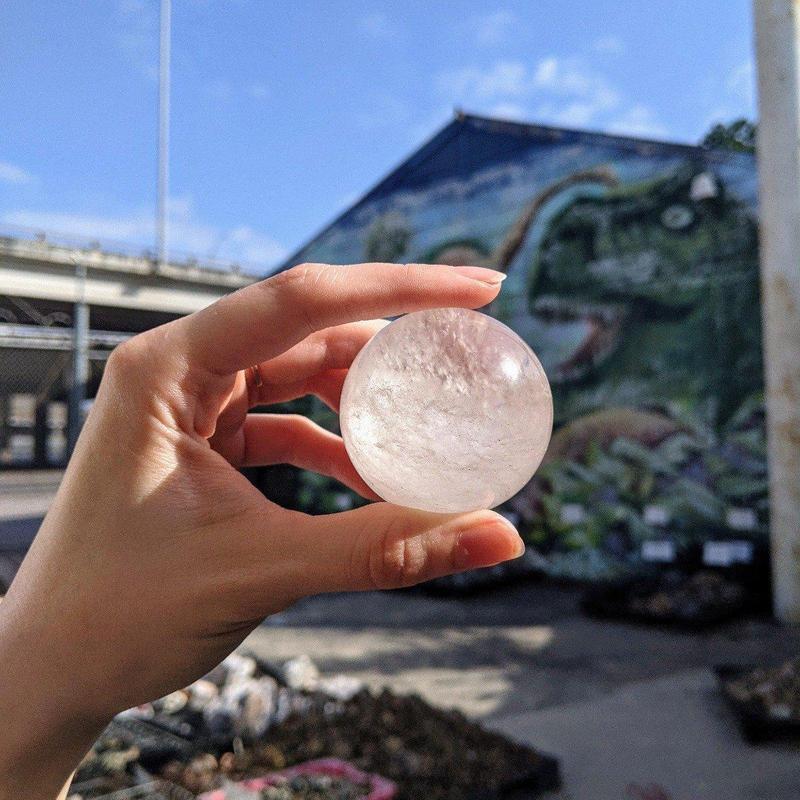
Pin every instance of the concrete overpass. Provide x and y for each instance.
(42, 283)
(37, 269)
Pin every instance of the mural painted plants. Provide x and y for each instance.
(633, 274)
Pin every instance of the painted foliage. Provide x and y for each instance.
(633, 273)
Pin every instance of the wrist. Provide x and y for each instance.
(48, 721)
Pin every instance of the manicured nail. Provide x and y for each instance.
(482, 274)
(488, 544)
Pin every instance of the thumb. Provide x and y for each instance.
(383, 546)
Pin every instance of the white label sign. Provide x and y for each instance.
(658, 550)
(656, 515)
(741, 519)
(725, 554)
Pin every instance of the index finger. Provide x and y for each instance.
(262, 320)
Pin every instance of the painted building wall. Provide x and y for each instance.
(633, 274)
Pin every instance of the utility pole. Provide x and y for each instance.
(777, 35)
(80, 359)
(162, 209)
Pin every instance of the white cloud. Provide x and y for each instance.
(13, 174)
(504, 78)
(583, 112)
(187, 235)
(493, 29)
(732, 96)
(376, 25)
(741, 82)
(553, 90)
(121, 228)
(221, 90)
(564, 76)
(258, 90)
(550, 76)
(255, 248)
(574, 115)
(513, 111)
(564, 91)
(137, 36)
(638, 120)
(570, 78)
(608, 45)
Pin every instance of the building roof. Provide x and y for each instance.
(470, 141)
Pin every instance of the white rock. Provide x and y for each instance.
(446, 410)
(201, 693)
(301, 673)
(341, 687)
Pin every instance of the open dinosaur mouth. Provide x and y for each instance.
(583, 334)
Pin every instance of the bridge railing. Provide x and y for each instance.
(119, 247)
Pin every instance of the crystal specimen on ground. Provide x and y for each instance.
(446, 410)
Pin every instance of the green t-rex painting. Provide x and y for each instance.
(633, 274)
(642, 301)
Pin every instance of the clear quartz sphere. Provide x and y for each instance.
(446, 410)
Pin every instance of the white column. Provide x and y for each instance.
(777, 27)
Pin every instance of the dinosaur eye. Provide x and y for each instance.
(677, 217)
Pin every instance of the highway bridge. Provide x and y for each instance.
(49, 291)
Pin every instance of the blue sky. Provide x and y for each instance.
(284, 113)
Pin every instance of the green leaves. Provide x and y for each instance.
(697, 474)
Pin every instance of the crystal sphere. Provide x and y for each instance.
(446, 410)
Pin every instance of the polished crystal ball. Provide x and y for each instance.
(446, 410)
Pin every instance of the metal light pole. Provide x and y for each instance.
(80, 359)
(777, 29)
(163, 132)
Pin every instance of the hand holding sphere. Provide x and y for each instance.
(155, 536)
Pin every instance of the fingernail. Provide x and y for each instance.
(488, 544)
(482, 274)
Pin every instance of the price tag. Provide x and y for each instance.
(573, 514)
(661, 551)
(725, 554)
(741, 519)
(656, 515)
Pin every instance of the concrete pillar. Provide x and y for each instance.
(40, 434)
(777, 29)
(3, 422)
(80, 361)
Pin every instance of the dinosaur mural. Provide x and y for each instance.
(633, 273)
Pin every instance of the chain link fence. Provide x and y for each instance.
(36, 368)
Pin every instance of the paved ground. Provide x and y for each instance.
(504, 652)
(672, 731)
(617, 704)
(25, 496)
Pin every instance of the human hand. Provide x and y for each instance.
(158, 557)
